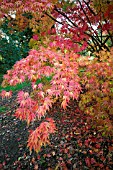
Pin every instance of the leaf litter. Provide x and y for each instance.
(75, 145)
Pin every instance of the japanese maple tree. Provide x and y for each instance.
(62, 31)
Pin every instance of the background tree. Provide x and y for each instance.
(14, 43)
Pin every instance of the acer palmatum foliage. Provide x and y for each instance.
(98, 98)
(64, 85)
(6, 94)
(40, 136)
(79, 23)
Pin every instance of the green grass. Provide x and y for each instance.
(24, 84)
(3, 109)
(17, 87)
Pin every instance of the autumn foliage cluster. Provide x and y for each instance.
(72, 45)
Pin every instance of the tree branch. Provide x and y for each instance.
(53, 18)
(63, 14)
(87, 3)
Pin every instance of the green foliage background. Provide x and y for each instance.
(13, 46)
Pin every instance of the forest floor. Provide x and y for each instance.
(75, 145)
